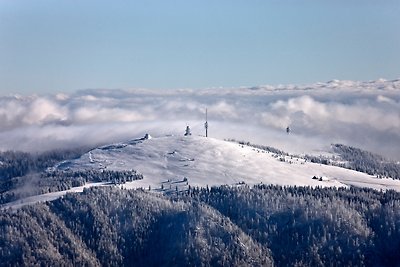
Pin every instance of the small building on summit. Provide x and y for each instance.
(187, 131)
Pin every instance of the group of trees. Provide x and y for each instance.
(19, 171)
(304, 226)
(17, 163)
(364, 161)
(261, 147)
(53, 181)
(24, 174)
(359, 160)
(93, 175)
(115, 227)
(218, 226)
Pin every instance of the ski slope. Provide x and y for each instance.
(177, 162)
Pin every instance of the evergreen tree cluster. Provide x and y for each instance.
(24, 174)
(17, 163)
(303, 226)
(261, 147)
(218, 226)
(55, 180)
(20, 171)
(364, 161)
(114, 227)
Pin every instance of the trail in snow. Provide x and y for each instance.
(46, 197)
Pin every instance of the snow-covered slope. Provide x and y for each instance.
(175, 162)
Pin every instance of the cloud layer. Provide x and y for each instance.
(363, 114)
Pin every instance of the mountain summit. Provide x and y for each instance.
(173, 163)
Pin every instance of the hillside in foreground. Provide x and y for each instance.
(221, 226)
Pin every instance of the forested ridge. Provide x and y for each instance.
(18, 163)
(364, 161)
(359, 160)
(218, 226)
(346, 157)
(24, 174)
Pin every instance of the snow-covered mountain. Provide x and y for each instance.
(176, 162)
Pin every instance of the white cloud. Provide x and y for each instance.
(42, 110)
(223, 110)
(95, 114)
(312, 114)
(356, 113)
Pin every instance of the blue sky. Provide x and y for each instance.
(62, 46)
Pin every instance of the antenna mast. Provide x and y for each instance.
(206, 124)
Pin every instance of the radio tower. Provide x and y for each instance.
(206, 125)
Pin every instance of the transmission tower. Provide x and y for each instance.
(206, 125)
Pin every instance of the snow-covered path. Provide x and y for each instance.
(46, 197)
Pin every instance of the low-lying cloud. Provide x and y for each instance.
(363, 114)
